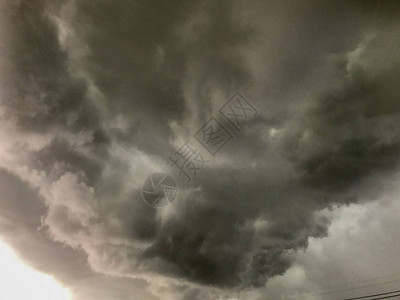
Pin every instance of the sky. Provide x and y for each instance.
(22, 282)
(297, 200)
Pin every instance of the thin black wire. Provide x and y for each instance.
(387, 297)
(343, 285)
(358, 287)
(349, 289)
(368, 296)
(371, 279)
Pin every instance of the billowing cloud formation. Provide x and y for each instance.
(96, 95)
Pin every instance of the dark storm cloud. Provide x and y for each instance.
(334, 143)
(97, 91)
(40, 91)
(144, 88)
(350, 132)
(238, 229)
(139, 56)
(19, 228)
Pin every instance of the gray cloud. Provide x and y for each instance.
(20, 228)
(97, 95)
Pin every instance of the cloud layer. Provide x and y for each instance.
(96, 94)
